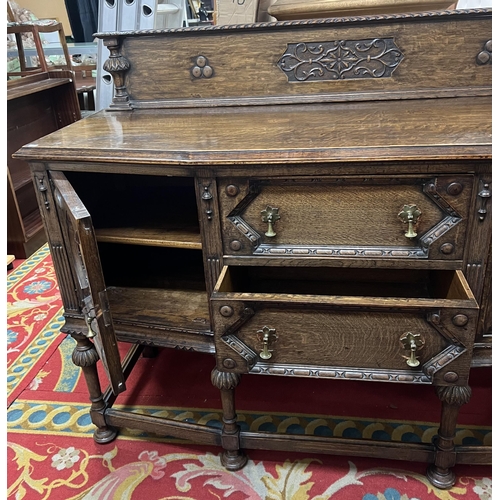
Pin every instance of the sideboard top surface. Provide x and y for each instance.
(446, 129)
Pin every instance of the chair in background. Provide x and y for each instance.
(85, 84)
(37, 64)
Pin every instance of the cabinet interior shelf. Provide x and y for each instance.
(32, 223)
(167, 236)
(20, 180)
(33, 83)
(177, 309)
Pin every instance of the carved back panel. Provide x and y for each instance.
(336, 59)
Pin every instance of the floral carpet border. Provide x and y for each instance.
(20, 272)
(46, 417)
(34, 320)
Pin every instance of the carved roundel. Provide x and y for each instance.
(202, 68)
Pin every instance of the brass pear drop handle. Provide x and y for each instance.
(412, 342)
(267, 336)
(270, 215)
(89, 315)
(410, 215)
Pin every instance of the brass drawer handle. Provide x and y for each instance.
(412, 342)
(267, 336)
(410, 215)
(270, 215)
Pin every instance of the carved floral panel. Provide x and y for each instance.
(340, 60)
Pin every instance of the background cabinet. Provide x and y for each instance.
(36, 105)
(40, 100)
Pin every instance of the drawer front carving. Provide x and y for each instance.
(345, 343)
(285, 327)
(338, 338)
(416, 218)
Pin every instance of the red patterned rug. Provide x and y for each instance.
(51, 453)
(34, 317)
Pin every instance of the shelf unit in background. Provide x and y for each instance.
(40, 100)
(36, 105)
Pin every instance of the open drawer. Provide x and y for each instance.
(412, 326)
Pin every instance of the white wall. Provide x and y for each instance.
(48, 9)
(474, 4)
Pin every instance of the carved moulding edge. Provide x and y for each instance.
(445, 357)
(238, 346)
(363, 252)
(398, 376)
(440, 229)
(305, 22)
(245, 228)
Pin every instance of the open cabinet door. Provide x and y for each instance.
(76, 225)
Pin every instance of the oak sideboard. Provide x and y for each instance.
(305, 199)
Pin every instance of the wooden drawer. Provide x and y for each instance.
(346, 217)
(345, 323)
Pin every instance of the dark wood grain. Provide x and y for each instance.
(398, 131)
(184, 310)
(36, 106)
(254, 57)
(358, 332)
(167, 427)
(172, 237)
(79, 230)
(338, 446)
(296, 9)
(363, 220)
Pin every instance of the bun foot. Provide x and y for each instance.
(233, 460)
(440, 478)
(105, 435)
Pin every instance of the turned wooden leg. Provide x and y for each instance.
(452, 398)
(85, 356)
(232, 458)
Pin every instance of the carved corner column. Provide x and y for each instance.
(452, 398)
(233, 458)
(117, 65)
(208, 213)
(85, 356)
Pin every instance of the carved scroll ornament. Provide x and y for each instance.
(340, 60)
